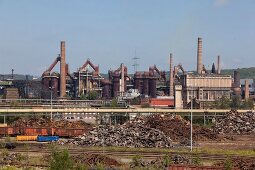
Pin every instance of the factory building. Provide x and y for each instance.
(201, 88)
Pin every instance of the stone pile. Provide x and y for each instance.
(133, 134)
(235, 123)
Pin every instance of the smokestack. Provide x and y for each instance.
(218, 65)
(62, 69)
(122, 83)
(199, 56)
(171, 77)
(236, 79)
(246, 90)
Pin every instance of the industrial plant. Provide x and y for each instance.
(175, 88)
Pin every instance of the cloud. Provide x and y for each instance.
(220, 3)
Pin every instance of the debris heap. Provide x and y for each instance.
(38, 122)
(177, 128)
(133, 134)
(235, 123)
(93, 159)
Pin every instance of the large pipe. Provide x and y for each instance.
(199, 56)
(171, 77)
(246, 90)
(218, 65)
(62, 69)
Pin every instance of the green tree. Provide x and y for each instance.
(228, 164)
(114, 103)
(236, 102)
(92, 95)
(248, 104)
(60, 159)
(135, 101)
(166, 160)
(223, 103)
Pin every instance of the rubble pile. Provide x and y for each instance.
(235, 123)
(133, 134)
(93, 159)
(177, 128)
(240, 163)
(46, 122)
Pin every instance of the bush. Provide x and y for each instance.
(60, 160)
(114, 103)
(228, 165)
(146, 105)
(166, 160)
(92, 95)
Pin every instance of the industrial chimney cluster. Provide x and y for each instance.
(180, 88)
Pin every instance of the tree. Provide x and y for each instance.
(223, 103)
(247, 104)
(236, 102)
(60, 160)
(92, 95)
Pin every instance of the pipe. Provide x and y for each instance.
(62, 69)
(199, 56)
(218, 65)
(171, 77)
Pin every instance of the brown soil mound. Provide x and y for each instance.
(178, 129)
(46, 122)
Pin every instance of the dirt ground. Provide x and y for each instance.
(233, 142)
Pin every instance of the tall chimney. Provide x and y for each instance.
(246, 90)
(171, 77)
(199, 56)
(122, 82)
(218, 65)
(236, 79)
(62, 69)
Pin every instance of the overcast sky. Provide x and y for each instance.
(110, 31)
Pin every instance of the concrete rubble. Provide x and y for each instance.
(235, 123)
(132, 134)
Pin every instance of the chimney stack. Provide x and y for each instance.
(236, 79)
(62, 69)
(171, 77)
(199, 56)
(122, 82)
(218, 65)
(246, 90)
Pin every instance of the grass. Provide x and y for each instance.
(210, 151)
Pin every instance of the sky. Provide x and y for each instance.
(111, 32)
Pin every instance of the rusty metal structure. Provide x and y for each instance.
(87, 78)
(55, 81)
(118, 79)
(150, 82)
